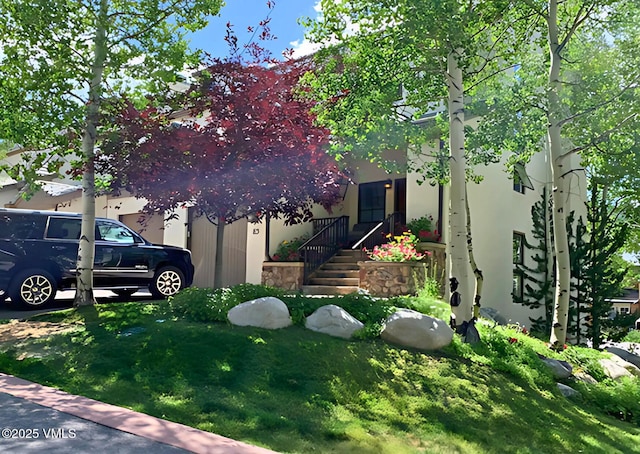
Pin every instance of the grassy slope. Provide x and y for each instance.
(294, 390)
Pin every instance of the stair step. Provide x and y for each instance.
(341, 281)
(345, 259)
(352, 253)
(328, 289)
(336, 273)
(340, 266)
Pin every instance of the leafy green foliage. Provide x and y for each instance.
(287, 250)
(46, 63)
(616, 328)
(509, 350)
(586, 360)
(632, 336)
(417, 225)
(618, 398)
(212, 305)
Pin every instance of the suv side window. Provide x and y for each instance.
(110, 231)
(63, 228)
(15, 226)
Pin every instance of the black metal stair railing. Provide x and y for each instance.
(321, 223)
(324, 244)
(378, 234)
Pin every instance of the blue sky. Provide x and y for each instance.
(245, 13)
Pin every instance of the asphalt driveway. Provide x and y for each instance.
(64, 300)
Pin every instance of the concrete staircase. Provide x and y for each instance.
(338, 276)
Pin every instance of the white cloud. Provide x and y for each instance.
(305, 46)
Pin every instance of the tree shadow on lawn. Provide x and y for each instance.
(294, 390)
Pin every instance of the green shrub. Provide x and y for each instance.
(507, 349)
(618, 398)
(212, 305)
(300, 306)
(587, 360)
(370, 311)
(429, 288)
(422, 224)
(287, 251)
(632, 336)
(616, 329)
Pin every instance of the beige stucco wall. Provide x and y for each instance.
(496, 212)
(364, 172)
(422, 199)
(256, 236)
(496, 209)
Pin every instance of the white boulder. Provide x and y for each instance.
(625, 355)
(413, 329)
(267, 312)
(616, 367)
(334, 321)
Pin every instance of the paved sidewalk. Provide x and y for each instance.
(36, 418)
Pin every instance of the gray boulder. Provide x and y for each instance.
(585, 378)
(267, 312)
(493, 314)
(334, 321)
(413, 329)
(559, 369)
(567, 391)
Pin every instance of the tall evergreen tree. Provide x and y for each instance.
(538, 279)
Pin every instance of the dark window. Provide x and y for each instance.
(371, 202)
(517, 183)
(518, 259)
(16, 226)
(518, 248)
(518, 291)
(400, 198)
(64, 228)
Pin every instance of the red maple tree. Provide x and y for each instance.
(244, 144)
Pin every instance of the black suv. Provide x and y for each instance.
(38, 251)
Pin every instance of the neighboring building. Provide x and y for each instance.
(628, 302)
(500, 212)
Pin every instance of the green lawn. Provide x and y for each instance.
(294, 390)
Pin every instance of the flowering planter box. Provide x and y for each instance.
(284, 275)
(388, 279)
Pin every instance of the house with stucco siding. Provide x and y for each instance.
(500, 208)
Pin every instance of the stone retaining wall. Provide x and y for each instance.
(387, 279)
(284, 275)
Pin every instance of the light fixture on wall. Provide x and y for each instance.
(388, 184)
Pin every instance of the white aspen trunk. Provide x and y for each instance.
(559, 195)
(86, 247)
(459, 254)
(477, 296)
